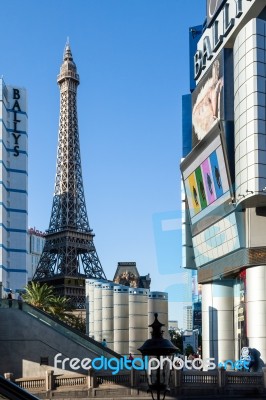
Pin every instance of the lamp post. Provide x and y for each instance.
(156, 349)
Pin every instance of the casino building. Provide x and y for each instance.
(13, 188)
(224, 175)
(36, 242)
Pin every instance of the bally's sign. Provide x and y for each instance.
(220, 30)
(213, 6)
(16, 122)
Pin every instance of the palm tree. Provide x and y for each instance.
(60, 307)
(39, 295)
(42, 296)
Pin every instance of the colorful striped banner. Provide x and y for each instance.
(208, 181)
(201, 188)
(217, 178)
(195, 200)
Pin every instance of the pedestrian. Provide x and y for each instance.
(10, 299)
(251, 365)
(245, 358)
(130, 359)
(104, 344)
(20, 301)
(196, 357)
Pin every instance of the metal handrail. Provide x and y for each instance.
(13, 391)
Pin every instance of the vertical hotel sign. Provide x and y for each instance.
(16, 121)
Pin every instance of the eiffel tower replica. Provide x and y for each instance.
(69, 255)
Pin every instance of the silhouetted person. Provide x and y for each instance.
(130, 358)
(10, 299)
(257, 363)
(20, 301)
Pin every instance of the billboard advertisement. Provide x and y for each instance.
(212, 100)
(208, 182)
(207, 102)
(206, 178)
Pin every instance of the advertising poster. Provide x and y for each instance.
(207, 183)
(207, 102)
(212, 100)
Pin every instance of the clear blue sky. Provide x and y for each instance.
(132, 58)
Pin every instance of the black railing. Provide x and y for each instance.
(12, 391)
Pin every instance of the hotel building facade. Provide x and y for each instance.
(36, 242)
(224, 176)
(13, 188)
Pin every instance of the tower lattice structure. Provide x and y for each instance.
(69, 255)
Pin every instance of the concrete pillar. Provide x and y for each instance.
(9, 376)
(91, 379)
(87, 306)
(205, 313)
(138, 318)
(97, 303)
(221, 377)
(264, 376)
(121, 335)
(218, 320)
(49, 380)
(256, 309)
(90, 307)
(237, 331)
(158, 303)
(108, 313)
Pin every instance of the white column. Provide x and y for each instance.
(98, 311)
(256, 308)
(249, 110)
(205, 312)
(121, 335)
(218, 320)
(108, 313)
(158, 303)
(237, 330)
(138, 318)
(87, 305)
(90, 307)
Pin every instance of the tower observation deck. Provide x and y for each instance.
(69, 255)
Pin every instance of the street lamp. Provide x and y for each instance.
(155, 349)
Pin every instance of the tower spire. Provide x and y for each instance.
(69, 251)
(67, 51)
